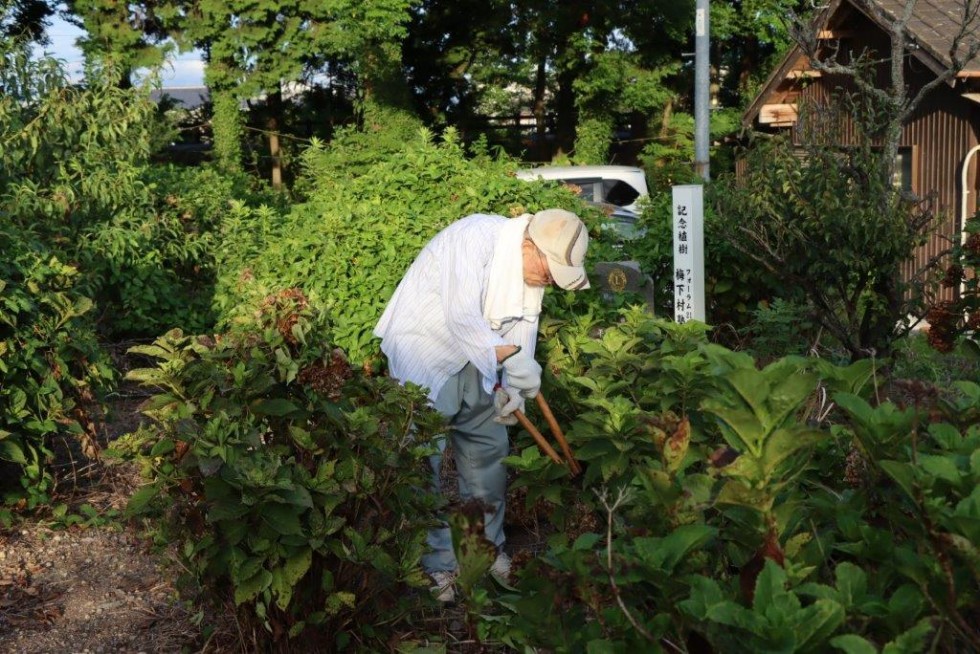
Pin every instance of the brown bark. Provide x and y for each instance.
(272, 126)
(540, 128)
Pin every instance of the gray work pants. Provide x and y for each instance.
(479, 445)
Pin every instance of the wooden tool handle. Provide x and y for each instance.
(538, 438)
(559, 435)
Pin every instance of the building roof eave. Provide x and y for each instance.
(789, 60)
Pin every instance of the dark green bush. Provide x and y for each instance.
(52, 372)
(291, 481)
(74, 168)
(349, 245)
(734, 284)
(151, 266)
(788, 508)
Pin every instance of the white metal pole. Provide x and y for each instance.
(702, 85)
(963, 203)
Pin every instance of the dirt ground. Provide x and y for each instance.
(97, 587)
(102, 588)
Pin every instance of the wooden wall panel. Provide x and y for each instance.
(939, 135)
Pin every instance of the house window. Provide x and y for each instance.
(902, 177)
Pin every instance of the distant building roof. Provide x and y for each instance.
(934, 24)
(190, 97)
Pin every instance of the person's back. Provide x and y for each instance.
(463, 323)
(419, 331)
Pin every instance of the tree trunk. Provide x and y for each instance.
(540, 128)
(226, 120)
(566, 110)
(272, 126)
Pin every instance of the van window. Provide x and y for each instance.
(585, 187)
(618, 192)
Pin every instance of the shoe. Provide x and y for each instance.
(444, 589)
(501, 568)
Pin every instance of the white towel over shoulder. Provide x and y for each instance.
(508, 297)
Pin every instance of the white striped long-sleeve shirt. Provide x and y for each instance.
(433, 324)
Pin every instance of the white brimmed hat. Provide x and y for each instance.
(563, 238)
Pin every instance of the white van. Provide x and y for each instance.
(621, 186)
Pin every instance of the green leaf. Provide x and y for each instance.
(943, 467)
(737, 493)
(912, 641)
(586, 542)
(141, 498)
(815, 623)
(705, 593)
(338, 601)
(273, 407)
(665, 553)
(162, 446)
(227, 508)
(302, 438)
(11, 451)
(740, 428)
(946, 435)
(251, 587)
(283, 518)
(155, 350)
(474, 553)
(297, 565)
(852, 584)
(902, 473)
(853, 644)
(769, 587)
(281, 589)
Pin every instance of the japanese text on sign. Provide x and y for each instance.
(688, 201)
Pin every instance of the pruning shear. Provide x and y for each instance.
(546, 447)
(549, 417)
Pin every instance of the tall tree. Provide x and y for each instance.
(553, 58)
(24, 20)
(255, 48)
(748, 36)
(119, 36)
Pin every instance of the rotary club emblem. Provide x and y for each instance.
(617, 280)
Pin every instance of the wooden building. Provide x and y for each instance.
(939, 147)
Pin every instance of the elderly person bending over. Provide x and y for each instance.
(465, 315)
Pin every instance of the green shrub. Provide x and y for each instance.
(787, 507)
(734, 285)
(291, 481)
(74, 170)
(781, 328)
(915, 358)
(72, 154)
(830, 225)
(52, 372)
(350, 244)
(151, 266)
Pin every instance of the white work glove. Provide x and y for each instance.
(523, 373)
(505, 402)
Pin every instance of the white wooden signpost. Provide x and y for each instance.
(688, 252)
